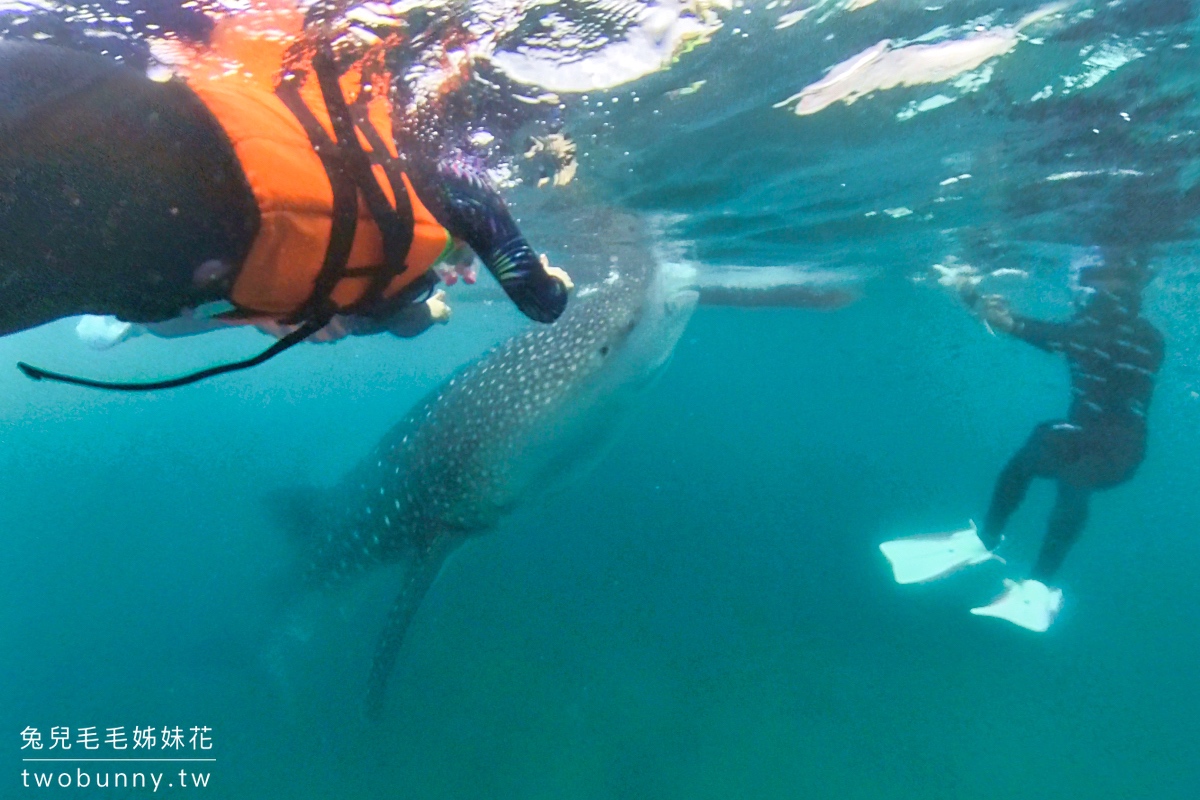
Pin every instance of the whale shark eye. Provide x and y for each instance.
(604, 350)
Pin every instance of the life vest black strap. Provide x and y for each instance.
(383, 157)
(345, 201)
(395, 176)
(395, 224)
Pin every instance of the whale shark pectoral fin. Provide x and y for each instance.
(418, 577)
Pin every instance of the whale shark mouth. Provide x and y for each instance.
(669, 303)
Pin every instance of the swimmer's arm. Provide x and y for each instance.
(407, 322)
(416, 319)
(994, 310)
(1042, 334)
(472, 210)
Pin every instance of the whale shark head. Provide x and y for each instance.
(670, 301)
(636, 325)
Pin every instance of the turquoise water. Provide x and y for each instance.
(706, 615)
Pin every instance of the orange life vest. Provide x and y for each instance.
(296, 203)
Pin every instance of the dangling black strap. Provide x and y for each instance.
(295, 337)
(349, 171)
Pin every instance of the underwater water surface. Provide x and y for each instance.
(705, 613)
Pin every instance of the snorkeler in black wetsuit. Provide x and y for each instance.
(132, 197)
(1113, 354)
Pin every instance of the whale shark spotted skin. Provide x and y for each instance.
(507, 425)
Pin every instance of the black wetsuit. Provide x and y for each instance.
(1113, 356)
(115, 188)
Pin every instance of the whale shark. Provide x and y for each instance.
(523, 418)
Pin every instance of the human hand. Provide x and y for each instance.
(961, 278)
(557, 272)
(994, 311)
(439, 309)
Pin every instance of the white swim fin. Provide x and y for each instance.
(916, 559)
(101, 333)
(1030, 604)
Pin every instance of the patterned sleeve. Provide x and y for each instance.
(466, 202)
(1049, 336)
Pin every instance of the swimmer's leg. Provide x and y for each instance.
(1009, 492)
(916, 559)
(1050, 451)
(1066, 523)
(1040, 457)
